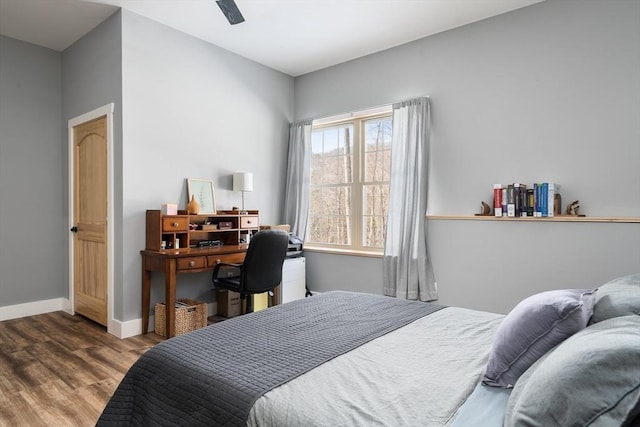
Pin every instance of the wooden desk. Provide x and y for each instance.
(174, 262)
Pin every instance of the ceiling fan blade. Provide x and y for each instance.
(231, 11)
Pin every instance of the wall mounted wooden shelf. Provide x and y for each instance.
(563, 218)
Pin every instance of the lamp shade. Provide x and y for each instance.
(243, 181)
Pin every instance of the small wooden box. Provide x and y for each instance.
(225, 225)
(228, 303)
(170, 209)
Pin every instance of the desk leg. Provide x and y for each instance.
(170, 295)
(275, 300)
(146, 295)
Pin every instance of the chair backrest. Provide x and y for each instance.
(263, 262)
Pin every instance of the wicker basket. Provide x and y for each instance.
(187, 318)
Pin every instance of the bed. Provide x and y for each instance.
(351, 359)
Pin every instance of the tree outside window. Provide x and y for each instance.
(350, 169)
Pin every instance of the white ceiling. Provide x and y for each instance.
(292, 36)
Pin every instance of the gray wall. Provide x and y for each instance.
(549, 92)
(194, 110)
(545, 93)
(183, 108)
(32, 206)
(92, 78)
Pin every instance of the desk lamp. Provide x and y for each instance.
(243, 182)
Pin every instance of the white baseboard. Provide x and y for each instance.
(129, 328)
(116, 327)
(34, 308)
(133, 327)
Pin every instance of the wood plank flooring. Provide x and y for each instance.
(60, 370)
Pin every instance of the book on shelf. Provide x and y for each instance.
(531, 201)
(511, 200)
(504, 200)
(548, 191)
(552, 190)
(544, 203)
(519, 200)
(497, 199)
(520, 196)
(537, 202)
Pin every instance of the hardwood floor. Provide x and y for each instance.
(60, 370)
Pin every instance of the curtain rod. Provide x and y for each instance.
(343, 115)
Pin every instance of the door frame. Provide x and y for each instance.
(105, 110)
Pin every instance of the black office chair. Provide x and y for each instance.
(261, 270)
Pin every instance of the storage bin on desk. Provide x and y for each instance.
(188, 317)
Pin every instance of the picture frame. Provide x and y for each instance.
(202, 189)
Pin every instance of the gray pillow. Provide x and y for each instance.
(532, 328)
(619, 297)
(591, 379)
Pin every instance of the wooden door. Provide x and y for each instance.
(90, 219)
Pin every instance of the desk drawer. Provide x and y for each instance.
(249, 221)
(175, 223)
(237, 258)
(192, 263)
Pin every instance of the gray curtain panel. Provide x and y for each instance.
(407, 268)
(296, 199)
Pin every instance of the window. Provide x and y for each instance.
(350, 169)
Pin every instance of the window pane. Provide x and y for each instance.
(329, 220)
(373, 235)
(330, 229)
(316, 202)
(343, 204)
(377, 150)
(316, 170)
(346, 139)
(378, 134)
(377, 166)
(338, 230)
(330, 141)
(332, 158)
(375, 206)
(345, 163)
(334, 186)
(316, 142)
(315, 231)
(331, 170)
(345, 169)
(343, 233)
(330, 200)
(376, 199)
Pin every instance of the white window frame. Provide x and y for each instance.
(357, 220)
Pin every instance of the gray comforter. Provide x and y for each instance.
(214, 375)
(417, 375)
